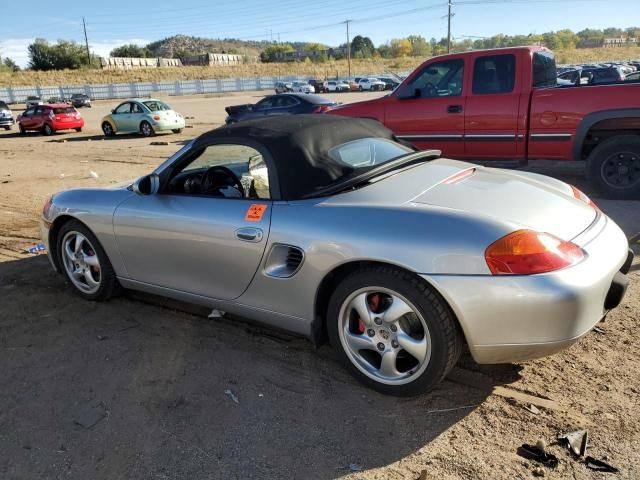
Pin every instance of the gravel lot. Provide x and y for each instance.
(140, 387)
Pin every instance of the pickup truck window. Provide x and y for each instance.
(440, 79)
(544, 70)
(494, 74)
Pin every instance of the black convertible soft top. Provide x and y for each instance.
(299, 146)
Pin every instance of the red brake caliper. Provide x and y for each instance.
(374, 303)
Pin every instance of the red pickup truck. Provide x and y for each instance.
(506, 104)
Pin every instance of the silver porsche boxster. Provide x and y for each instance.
(330, 227)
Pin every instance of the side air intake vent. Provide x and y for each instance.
(283, 261)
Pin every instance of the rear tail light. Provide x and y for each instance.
(525, 252)
(156, 117)
(322, 108)
(582, 197)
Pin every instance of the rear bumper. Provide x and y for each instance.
(160, 125)
(515, 318)
(68, 125)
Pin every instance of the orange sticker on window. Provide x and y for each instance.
(255, 212)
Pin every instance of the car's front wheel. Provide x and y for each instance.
(393, 331)
(177, 130)
(146, 129)
(21, 129)
(85, 263)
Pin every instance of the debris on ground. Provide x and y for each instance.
(159, 143)
(538, 472)
(532, 408)
(90, 415)
(188, 126)
(599, 330)
(600, 465)
(576, 442)
(36, 248)
(93, 174)
(538, 454)
(102, 337)
(232, 396)
(354, 467)
(216, 314)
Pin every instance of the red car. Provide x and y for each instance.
(48, 119)
(506, 105)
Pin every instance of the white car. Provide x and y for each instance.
(336, 86)
(33, 101)
(371, 84)
(6, 117)
(301, 87)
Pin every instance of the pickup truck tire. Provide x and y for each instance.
(613, 167)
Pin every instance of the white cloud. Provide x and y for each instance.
(16, 48)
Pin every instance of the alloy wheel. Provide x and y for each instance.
(384, 335)
(621, 170)
(81, 262)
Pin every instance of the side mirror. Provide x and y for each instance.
(407, 91)
(147, 185)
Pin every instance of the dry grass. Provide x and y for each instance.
(329, 69)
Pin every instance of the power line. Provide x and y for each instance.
(348, 47)
(86, 41)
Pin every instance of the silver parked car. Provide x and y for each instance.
(328, 227)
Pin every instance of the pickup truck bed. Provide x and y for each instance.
(505, 104)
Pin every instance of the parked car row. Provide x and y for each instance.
(339, 85)
(146, 116)
(77, 100)
(598, 73)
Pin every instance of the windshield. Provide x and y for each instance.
(58, 111)
(79, 95)
(156, 105)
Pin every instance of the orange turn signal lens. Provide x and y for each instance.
(582, 197)
(525, 252)
(156, 117)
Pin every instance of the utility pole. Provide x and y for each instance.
(449, 28)
(86, 41)
(348, 47)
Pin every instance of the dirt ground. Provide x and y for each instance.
(142, 388)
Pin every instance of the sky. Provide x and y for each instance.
(113, 23)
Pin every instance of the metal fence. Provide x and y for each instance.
(146, 89)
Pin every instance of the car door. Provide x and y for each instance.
(26, 119)
(138, 115)
(38, 117)
(201, 244)
(492, 109)
(122, 117)
(428, 110)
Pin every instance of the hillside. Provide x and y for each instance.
(184, 45)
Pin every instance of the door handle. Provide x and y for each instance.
(249, 234)
(454, 108)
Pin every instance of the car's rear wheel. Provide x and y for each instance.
(146, 129)
(47, 130)
(85, 263)
(78, 130)
(613, 167)
(7, 127)
(21, 129)
(393, 331)
(360, 88)
(177, 130)
(107, 129)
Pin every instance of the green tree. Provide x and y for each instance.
(362, 47)
(131, 51)
(270, 54)
(64, 54)
(8, 65)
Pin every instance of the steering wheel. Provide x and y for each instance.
(430, 90)
(218, 177)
